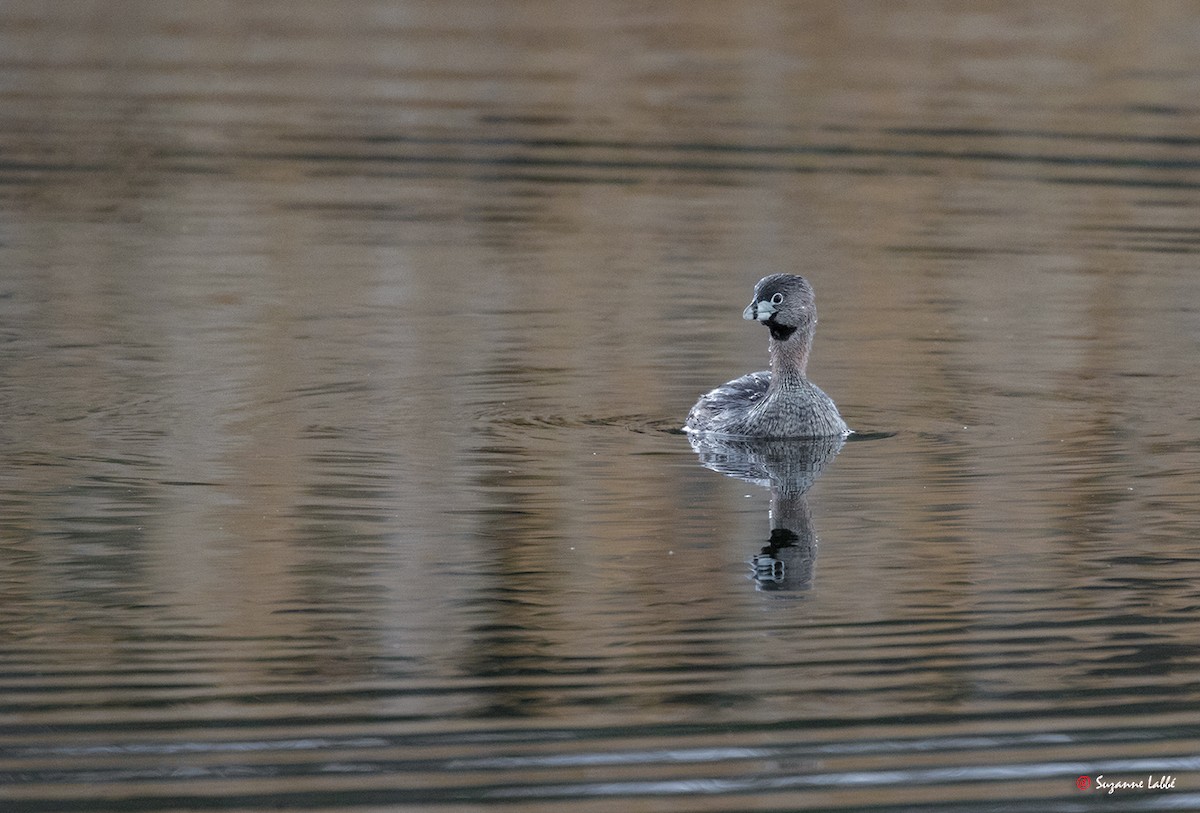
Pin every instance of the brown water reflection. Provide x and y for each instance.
(339, 344)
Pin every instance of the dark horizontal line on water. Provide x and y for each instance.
(824, 150)
(542, 168)
(563, 142)
(590, 675)
(45, 166)
(490, 177)
(953, 770)
(821, 749)
(1020, 703)
(795, 779)
(673, 162)
(1145, 248)
(1121, 182)
(957, 251)
(532, 161)
(932, 743)
(545, 178)
(661, 166)
(984, 132)
(345, 70)
(906, 777)
(1167, 706)
(1189, 231)
(1162, 240)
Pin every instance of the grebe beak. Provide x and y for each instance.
(759, 311)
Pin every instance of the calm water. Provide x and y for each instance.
(342, 351)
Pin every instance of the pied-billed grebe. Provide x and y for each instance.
(781, 402)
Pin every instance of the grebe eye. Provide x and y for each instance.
(776, 299)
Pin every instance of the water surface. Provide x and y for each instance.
(342, 349)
